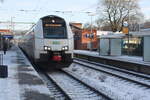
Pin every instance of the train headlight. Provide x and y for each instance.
(45, 48)
(65, 48)
(48, 48)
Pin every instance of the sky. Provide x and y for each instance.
(145, 8)
(32, 10)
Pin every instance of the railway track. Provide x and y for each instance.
(75, 88)
(140, 79)
(80, 90)
(64, 86)
(55, 90)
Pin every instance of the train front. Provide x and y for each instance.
(58, 41)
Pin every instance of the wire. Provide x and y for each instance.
(94, 5)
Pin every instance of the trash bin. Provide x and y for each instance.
(3, 71)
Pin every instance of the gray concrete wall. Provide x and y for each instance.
(146, 53)
(115, 47)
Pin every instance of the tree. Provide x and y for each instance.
(103, 24)
(118, 11)
(146, 24)
(88, 26)
(135, 21)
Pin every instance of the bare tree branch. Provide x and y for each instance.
(118, 11)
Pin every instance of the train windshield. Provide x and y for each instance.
(54, 28)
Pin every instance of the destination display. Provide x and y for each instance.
(53, 25)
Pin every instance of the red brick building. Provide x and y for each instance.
(5, 31)
(88, 37)
(82, 39)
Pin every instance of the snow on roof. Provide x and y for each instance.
(112, 36)
(109, 34)
(99, 33)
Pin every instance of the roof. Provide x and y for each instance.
(4, 30)
(112, 36)
(72, 25)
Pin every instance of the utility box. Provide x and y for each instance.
(89, 45)
(104, 47)
(146, 53)
(110, 45)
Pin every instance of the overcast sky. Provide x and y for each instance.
(32, 10)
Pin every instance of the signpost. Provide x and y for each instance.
(90, 36)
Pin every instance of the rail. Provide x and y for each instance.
(135, 78)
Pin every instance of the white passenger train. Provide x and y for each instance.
(50, 40)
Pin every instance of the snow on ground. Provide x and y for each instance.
(40, 88)
(134, 59)
(9, 89)
(120, 88)
(86, 52)
(15, 87)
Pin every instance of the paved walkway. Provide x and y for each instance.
(23, 82)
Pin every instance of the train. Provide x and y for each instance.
(50, 41)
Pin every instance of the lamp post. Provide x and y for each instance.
(91, 35)
(12, 25)
(126, 26)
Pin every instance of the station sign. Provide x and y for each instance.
(8, 36)
(125, 30)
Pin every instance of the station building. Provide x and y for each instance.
(131, 45)
(84, 38)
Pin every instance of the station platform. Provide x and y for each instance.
(23, 82)
(127, 62)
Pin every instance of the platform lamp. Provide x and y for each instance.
(126, 32)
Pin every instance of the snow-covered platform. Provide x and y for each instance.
(23, 82)
(126, 62)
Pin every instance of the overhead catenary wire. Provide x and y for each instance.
(37, 9)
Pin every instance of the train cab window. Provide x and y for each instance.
(56, 30)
